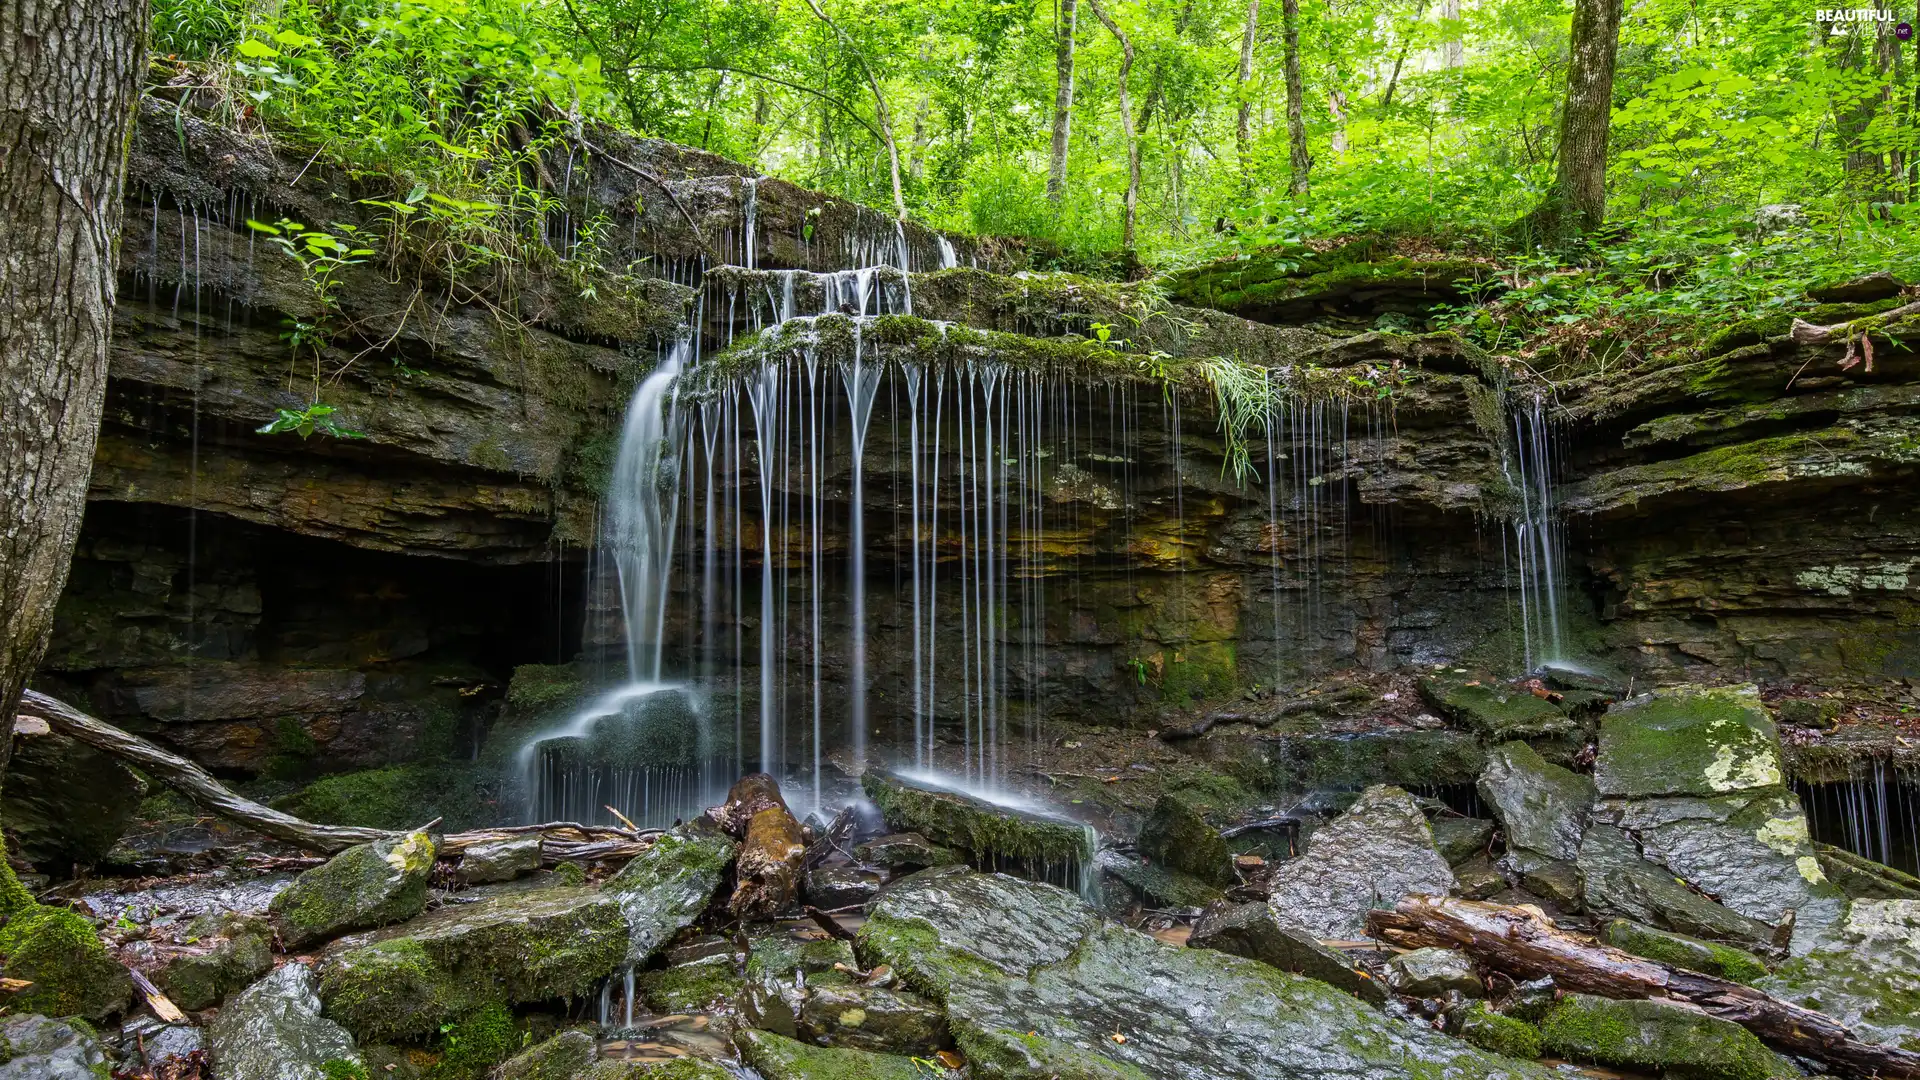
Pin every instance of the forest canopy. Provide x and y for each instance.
(1754, 149)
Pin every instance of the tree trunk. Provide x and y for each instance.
(1062, 101)
(1298, 162)
(1454, 50)
(69, 77)
(1337, 105)
(1526, 946)
(772, 852)
(1243, 124)
(1131, 201)
(1578, 201)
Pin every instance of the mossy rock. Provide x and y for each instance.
(1498, 712)
(1681, 951)
(663, 889)
(1498, 1034)
(1158, 886)
(203, 980)
(984, 830)
(695, 987)
(1659, 1037)
(60, 953)
(475, 1043)
(396, 797)
(1177, 837)
(1863, 879)
(777, 1057)
(1689, 741)
(363, 887)
(1311, 761)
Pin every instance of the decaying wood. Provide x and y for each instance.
(838, 832)
(1526, 946)
(162, 1005)
(771, 847)
(826, 921)
(1806, 333)
(559, 841)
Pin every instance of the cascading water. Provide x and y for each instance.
(1538, 533)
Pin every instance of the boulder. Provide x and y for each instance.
(273, 1030)
(1864, 971)
(708, 984)
(832, 887)
(1156, 885)
(1253, 931)
(1862, 878)
(905, 852)
(1615, 880)
(1177, 836)
(1372, 855)
(840, 1011)
(1434, 973)
(1496, 711)
(1688, 741)
(363, 887)
(500, 860)
(240, 951)
(38, 1048)
(1542, 807)
(574, 1055)
(1659, 1037)
(988, 832)
(778, 967)
(1478, 1024)
(406, 981)
(1459, 839)
(1478, 878)
(65, 802)
(1681, 951)
(60, 954)
(776, 1057)
(1036, 984)
(1554, 880)
(663, 889)
(1320, 760)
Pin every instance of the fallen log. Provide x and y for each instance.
(767, 870)
(1525, 945)
(559, 841)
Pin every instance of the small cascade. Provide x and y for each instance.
(749, 211)
(948, 257)
(1538, 532)
(1874, 813)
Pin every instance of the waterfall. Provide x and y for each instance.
(1538, 533)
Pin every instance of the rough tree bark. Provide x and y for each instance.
(1062, 101)
(1131, 201)
(1243, 123)
(1578, 200)
(69, 77)
(772, 851)
(1298, 161)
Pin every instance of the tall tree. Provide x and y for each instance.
(1577, 202)
(1243, 123)
(1298, 161)
(69, 77)
(1062, 100)
(1131, 202)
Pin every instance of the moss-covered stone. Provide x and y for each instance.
(904, 852)
(1682, 1043)
(663, 889)
(473, 1044)
(363, 887)
(1679, 950)
(1495, 711)
(60, 953)
(984, 830)
(1307, 761)
(1498, 1034)
(1862, 878)
(776, 1057)
(698, 986)
(564, 1057)
(398, 797)
(1006, 1052)
(1177, 836)
(1689, 741)
(202, 980)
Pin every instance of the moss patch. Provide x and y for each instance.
(59, 952)
(398, 797)
(973, 825)
(1689, 741)
(779, 1058)
(1489, 1030)
(1681, 951)
(1658, 1037)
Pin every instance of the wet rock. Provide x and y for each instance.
(1615, 880)
(1679, 950)
(1554, 880)
(1312, 760)
(1818, 713)
(1156, 885)
(1036, 984)
(65, 802)
(361, 888)
(709, 984)
(500, 860)
(1177, 836)
(1372, 855)
(1688, 741)
(241, 952)
(904, 852)
(985, 830)
(1253, 931)
(663, 889)
(776, 1057)
(832, 887)
(1864, 879)
(1864, 971)
(159, 1039)
(841, 1012)
(566, 1056)
(60, 954)
(273, 1030)
(1459, 839)
(1478, 878)
(1434, 973)
(778, 966)
(1567, 676)
(1542, 807)
(39, 1048)
(1752, 852)
(406, 981)
(1480, 1025)
(1496, 711)
(1659, 1037)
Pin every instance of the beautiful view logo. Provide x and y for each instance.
(1842, 18)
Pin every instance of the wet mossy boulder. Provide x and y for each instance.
(1542, 807)
(776, 1057)
(1658, 1037)
(460, 795)
(406, 981)
(1377, 852)
(1689, 741)
(41, 1048)
(1862, 878)
(1156, 885)
(1864, 972)
(1255, 932)
(905, 852)
(60, 954)
(840, 1011)
(1308, 761)
(1459, 839)
(1036, 984)
(566, 1056)
(1681, 951)
(234, 951)
(1496, 711)
(709, 984)
(273, 1030)
(363, 887)
(663, 889)
(1477, 1023)
(65, 802)
(1434, 973)
(1177, 836)
(1617, 881)
(985, 831)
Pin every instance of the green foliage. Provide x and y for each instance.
(475, 1043)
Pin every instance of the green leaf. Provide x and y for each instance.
(257, 49)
